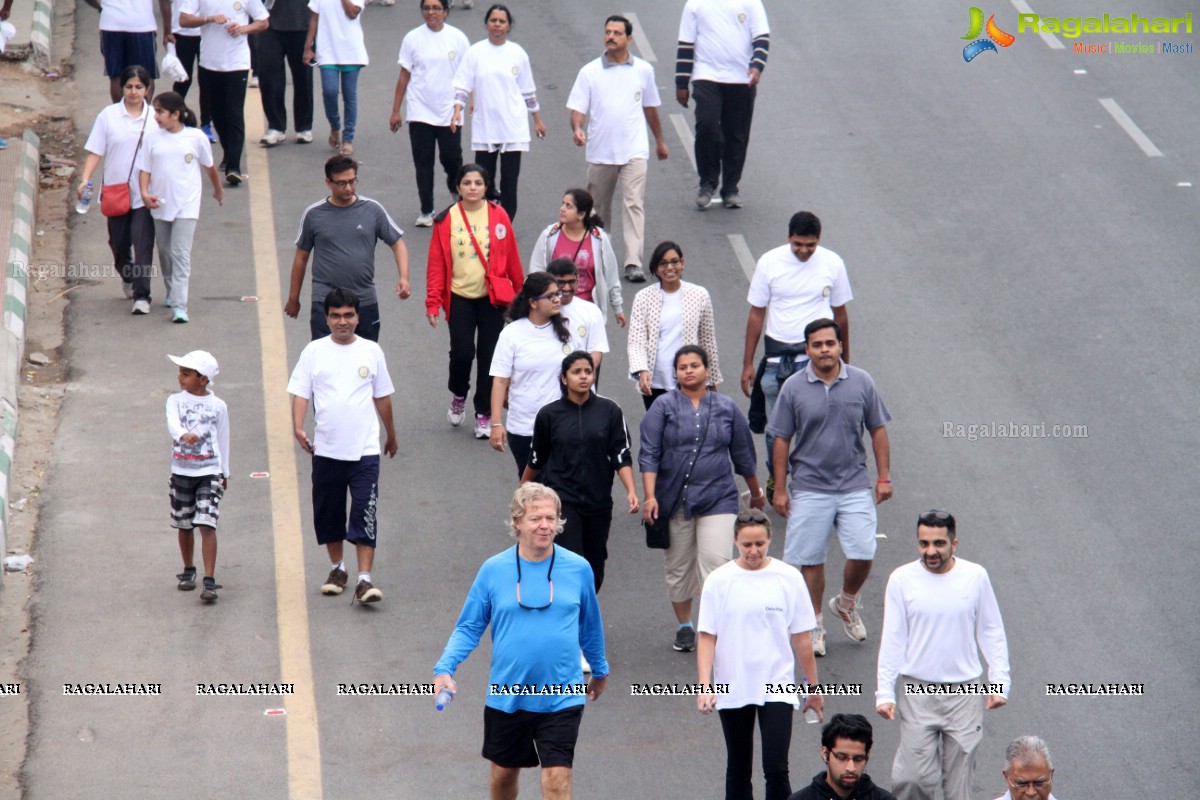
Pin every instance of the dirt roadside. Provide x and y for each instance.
(31, 99)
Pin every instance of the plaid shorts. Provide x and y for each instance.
(195, 500)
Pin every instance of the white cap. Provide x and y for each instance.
(200, 360)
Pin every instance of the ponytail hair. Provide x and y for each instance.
(586, 205)
(536, 285)
(172, 103)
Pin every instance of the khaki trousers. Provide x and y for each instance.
(939, 735)
(602, 180)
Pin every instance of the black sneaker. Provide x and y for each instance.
(685, 639)
(187, 579)
(336, 581)
(210, 589)
(366, 592)
(634, 274)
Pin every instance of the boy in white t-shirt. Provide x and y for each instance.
(198, 422)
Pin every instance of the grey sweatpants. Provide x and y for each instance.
(939, 734)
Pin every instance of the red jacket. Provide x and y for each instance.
(504, 259)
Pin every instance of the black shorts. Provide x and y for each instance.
(122, 49)
(529, 738)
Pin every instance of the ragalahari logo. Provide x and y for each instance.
(995, 35)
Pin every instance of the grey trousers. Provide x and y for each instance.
(939, 735)
(174, 240)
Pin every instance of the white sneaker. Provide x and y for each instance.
(253, 82)
(483, 426)
(818, 641)
(425, 221)
(851, 622)
(457, 411)
(272, 137)
(303, 137)
(141, 306)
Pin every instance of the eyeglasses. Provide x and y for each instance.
(856, 759)
(551, 296)
(1038, 783)
(344, 184)
(553, 553)
(564, 285)
(670, 262)
(753, 515)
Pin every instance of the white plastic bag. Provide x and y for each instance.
(7, 32)
(172, 67)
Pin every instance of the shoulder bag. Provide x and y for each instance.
(500, 288)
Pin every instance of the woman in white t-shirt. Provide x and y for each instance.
(497, 72)
(663, 319)
(525, 365)
(756, 624)
(335, 45)
(171, 186)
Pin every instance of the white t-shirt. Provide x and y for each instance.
(586, 323)
(934, 626)
(339, 38)
(432, 57)
(343, 381)
(176, 28)
(614, 96)
(670, 339)
(132, 16)
(531, 357)
(219, 51)
(500, 77)
(753, 613)
(723, 32)
(207, 417)
(114, 138)
(174, 161)
(796, 292)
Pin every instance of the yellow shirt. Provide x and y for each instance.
(467, 274)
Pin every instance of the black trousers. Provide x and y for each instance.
(475, 326)
(424, 139)
(274, 49)
(510, 166)
(187, 48)
(131, 239)
(723, 115)
(775, 730)
(586, 533)
(227, 93)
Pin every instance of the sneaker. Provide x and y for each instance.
(187, 579)
(387, 2)
(851, 622)
(208, 131)
(425, 220)
(272, 137)
(303, 137)
(703, 198)
(127, 288)
(233, 178)
(210, 590)
(818, 641)
(253, 82)
(732, 200)
(179, 315)
(336, 581)
(365, 592)
(458, 410)
(141, 306)
(634, 274)
(167, 301)
(483, 426)
(584, 665)
(685, 639)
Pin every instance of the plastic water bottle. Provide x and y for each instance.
(443, 699)
(83, 204)
(811, 717)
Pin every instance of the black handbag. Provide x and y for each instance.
(658, 532)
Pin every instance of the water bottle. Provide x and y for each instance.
(83, 204)
(443, 699)
(811, 717)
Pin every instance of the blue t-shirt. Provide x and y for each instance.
(535, 653)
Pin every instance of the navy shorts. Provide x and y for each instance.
(529, 738)
(121, 50)
(195, 500)
(332, 480)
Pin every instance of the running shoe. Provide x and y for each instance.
(634, 274)
(179, 316)
(141, 306)
(336, 581)
(703, 198)
(207, 130)
(458, 410)
(210, 589)
(685, 639)
(365, 592)
(483, 426)
(818, 641)
(272, 137)
(732, 200)
(187, 579)
(303, 137)
(851, 622)
(425, 220)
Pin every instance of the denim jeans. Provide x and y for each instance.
(330, 80)
(770, 387)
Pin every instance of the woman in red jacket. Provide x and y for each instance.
(474, 272)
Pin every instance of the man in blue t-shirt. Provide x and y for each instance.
(540, 601)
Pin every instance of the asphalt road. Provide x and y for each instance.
(1016, 256)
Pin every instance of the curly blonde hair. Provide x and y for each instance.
(524, 496)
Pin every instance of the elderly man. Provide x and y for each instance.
(540, 600)
(1028, 770)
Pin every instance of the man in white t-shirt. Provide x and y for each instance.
(429, 56)
(939, 613)
(346, 379)
(614, 93)
(584, 318)
(127, 30)
(723, 48)
(225, 27)
(792, 285)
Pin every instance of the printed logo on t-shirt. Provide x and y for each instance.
(187, 158)
(567, 348)
(774, 608)
(582, 331)
(637, 96)
(742, 18)
(237, 6)
(825, 292)
(452, 55)
(363, 372)
(516, 71)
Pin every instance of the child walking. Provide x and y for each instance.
(170, 180)
(198, 422)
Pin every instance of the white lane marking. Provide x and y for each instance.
(742, 251)
(642, 41)
(1130, 127)
(685, 135)
(1184, 184)
(1080, 71)
(1049, 38)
